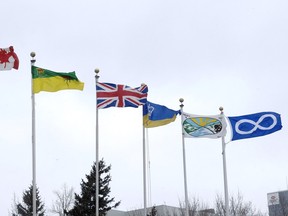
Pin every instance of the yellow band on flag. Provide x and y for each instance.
(50, 81)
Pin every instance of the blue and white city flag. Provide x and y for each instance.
(155, 115)
(254, 125)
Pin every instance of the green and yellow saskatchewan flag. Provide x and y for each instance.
(50, 81)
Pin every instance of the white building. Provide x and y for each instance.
(278, 203)
(162, 210)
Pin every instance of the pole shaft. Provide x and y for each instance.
(97, 157)
(184, 167)
(225, 178)
(225, 173)
(33, 144)
(144, 172)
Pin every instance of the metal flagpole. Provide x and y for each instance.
(225, 171)
(149, 202)
(184, 161)
(33, 54)
(144, 170)
(97, 153)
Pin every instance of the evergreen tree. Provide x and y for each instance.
(85, 202)
(153, 212)
(26, 208)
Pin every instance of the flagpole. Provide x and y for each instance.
(144, 169)
(97, 153)
(149, 199)
(225, 171)
(184, 161)
(33, 54)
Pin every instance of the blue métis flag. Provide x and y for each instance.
(254, 125)
(155, 115)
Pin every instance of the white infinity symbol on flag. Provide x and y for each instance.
(256, 124)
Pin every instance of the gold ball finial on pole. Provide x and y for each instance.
(181, 100)
(221, 109)
(32, 54)
(96, 72)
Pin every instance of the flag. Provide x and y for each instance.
(115, 95)
(155, 115)
(8, 59)
(197, 126)
(254, 125)
(50, 81)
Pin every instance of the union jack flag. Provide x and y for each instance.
(115, 95)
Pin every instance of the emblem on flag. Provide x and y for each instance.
(254, 125)
(115, 95)
(196, 126)
(8, 59)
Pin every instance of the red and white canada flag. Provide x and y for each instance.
(8, 59)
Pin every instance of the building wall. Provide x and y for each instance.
(113, 212)
(278, 203)
(162, 210)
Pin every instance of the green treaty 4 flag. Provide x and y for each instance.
(50, 81)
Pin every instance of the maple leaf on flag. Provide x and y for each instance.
(8, 59)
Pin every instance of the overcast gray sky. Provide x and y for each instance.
(212, 53)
